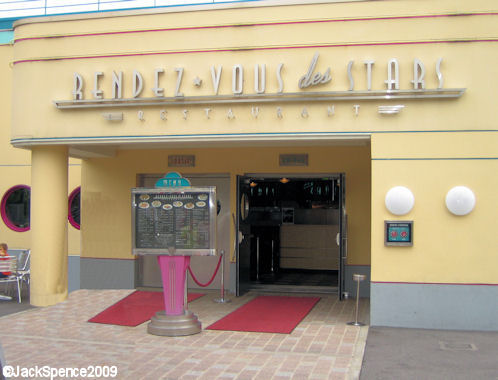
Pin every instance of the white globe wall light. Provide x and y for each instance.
(399, 200)
(460, 200)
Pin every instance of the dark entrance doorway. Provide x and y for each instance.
(290, 230)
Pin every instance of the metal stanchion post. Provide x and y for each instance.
(222, 298)
(358, 278)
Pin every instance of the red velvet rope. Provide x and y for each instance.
(212, 278)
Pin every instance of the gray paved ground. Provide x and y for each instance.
(11, 307)
(322, 346)
(395, 353)
(390, 353)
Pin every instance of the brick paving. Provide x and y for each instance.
(322, 346)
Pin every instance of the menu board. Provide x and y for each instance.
(398, 233)
(174, 221)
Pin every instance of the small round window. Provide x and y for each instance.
(15, 208)
(74, 208)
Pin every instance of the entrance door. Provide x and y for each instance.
(290, 234)
(148, 274)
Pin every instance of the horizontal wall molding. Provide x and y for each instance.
(261, 24)
(219, 137)
(178, 8)
(201, 138)
(254, 48)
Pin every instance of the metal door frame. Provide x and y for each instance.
(343, 235)
(238, 234)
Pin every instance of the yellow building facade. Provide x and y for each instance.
(361, 97)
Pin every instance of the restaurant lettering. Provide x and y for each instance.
(312, 77)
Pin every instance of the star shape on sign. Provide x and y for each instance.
(197, 82)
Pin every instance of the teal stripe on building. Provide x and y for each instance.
(6, 37)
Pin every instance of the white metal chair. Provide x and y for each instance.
(23, 265)
(9, 264)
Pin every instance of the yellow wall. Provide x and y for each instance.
(15, 164)
(8, 154)
(107, 182)
(49, 261)
(458, 146)
(447, 248)
(42, 82)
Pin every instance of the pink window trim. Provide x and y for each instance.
(70, 200)
(3, 210)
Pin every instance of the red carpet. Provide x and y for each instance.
(272, 314)
(135, 309)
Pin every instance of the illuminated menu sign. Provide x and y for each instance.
(176, 221)
(398, 233)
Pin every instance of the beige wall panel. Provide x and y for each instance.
(8, 154)
(44, 82)
(261, 34)
(446, 248)
(106, 185)
(244, 13)
(201, 39)
(15, 163)
(435, 145)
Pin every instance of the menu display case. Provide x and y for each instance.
(174, 221)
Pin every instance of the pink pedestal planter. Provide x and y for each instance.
(173, 273)
(175, 320)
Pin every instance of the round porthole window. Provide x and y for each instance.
(74, 208)
(15, 208)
